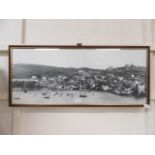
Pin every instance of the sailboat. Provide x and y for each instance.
(82, 93)
(46, 93)
(25, 88)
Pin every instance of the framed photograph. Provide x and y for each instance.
(86, 76)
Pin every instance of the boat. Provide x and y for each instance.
(46, 93)
(16, 98)
(25, 88)
(82, 94)
(47, 97)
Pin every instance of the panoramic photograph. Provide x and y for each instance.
(79, 76)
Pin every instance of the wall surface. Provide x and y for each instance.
(10, 33)
(77, 120)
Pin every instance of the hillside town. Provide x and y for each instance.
(123, 81)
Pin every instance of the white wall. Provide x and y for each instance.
(88, 32)
(10, 33)
(85, 120)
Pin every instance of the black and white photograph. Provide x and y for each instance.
(54, 76)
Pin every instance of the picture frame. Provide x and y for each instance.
(79, 76)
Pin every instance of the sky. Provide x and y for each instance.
(92, 58)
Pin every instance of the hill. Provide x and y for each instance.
(28, 70)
